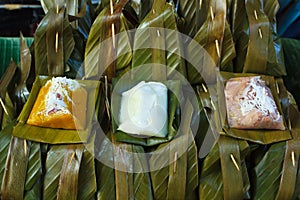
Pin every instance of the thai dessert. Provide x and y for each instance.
(250, 104)
(144, 110)
(61, 103)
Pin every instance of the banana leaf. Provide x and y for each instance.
(14, 176)
(258, 136)
(228, 50)
(5, 138)
(292, 58)
(174, 165)
(131, 172)
(4, 84)
(21, 92)
(100, 53)
(141, 7)
(125, 84)
(275, 62)
(43, 38)
(87, 185)
(105, 173)
(289, 170)
(190, 11)
(71, 6)
(68, 181)
(53, 167)
(51, 135)
(75, 62)
(204, 60)
(257, 53)
(141, 179)
(211, 181)
(231, 174)
(174, 44)
(267, 172)
(240, 31)
(157, 44)
(149, 57)
(33, 181)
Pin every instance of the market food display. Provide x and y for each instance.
(61, 103)
(174, 100)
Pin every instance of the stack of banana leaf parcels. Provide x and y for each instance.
(193, 48)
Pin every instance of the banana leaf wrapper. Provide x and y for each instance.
(53, 167)
(15, 169)
(264, 54)
(173, 105)
(178, 164)
(258, 136)
(4, 84)
(205, 50)
(33, 181)
(87, 185)
(288, 182)
(215, 178)
(105, 174)
(68, 181)
(55, 33)
(267, 173)
(5, 138)
(106, 53)
(158, 47)
(51, 135)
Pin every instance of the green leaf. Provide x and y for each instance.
(228, 50)
(211, 184)
(41, 40)
(105, 174)
(291, 158)
(178, 177)
(189, 10)
(174, 44)
(53, 167)
(34, 173)
(268, 172)
(14, 176)
(141, 179)
(68, 181)
(155, 45)
(21, 92)
(231, 172)
(87, 185)
(210, 38)
(4, 83)
(257, 53)
(51, 135)
(275, 62)
(5, 137)
(211, 180)
(100, 53)
(240, 32)
(141, 7)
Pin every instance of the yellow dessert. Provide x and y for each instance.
(61, 103)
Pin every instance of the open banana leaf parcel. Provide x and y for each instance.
(51, 135)
(261, 136)
(173, 114)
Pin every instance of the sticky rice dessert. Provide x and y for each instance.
(61, 103)
(250, 104)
